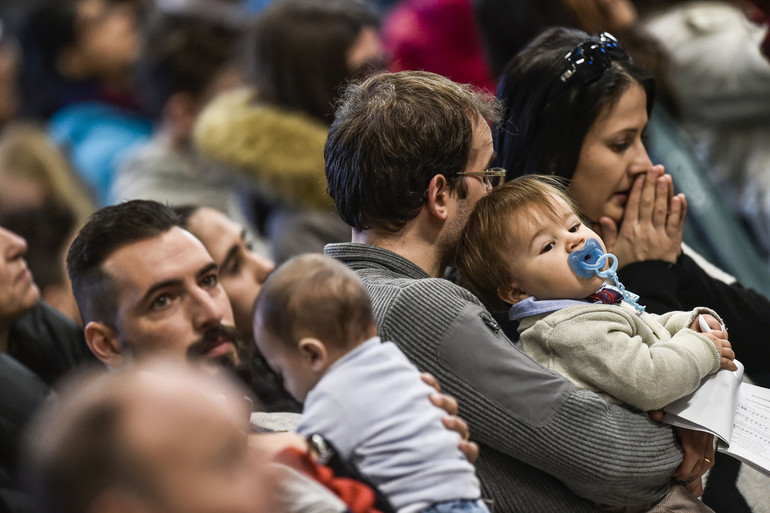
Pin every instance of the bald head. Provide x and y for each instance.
(159, 435)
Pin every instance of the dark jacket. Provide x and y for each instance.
(48, 343)
(22, 394)
(43, 345)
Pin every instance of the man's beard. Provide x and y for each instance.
(447, 244)
(234, 361)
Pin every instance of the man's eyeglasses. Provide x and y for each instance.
(590, 59)
(491, 177)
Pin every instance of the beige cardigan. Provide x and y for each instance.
(646, 361)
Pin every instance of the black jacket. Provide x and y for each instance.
(43, 345)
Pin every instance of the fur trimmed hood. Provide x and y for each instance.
(281, 151)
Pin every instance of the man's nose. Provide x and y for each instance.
(262, 267)
(13, 246)
(207, 308)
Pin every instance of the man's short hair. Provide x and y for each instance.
(483, 261)
(391, 135)
(315, 296)
(296, 52)
(106, 231)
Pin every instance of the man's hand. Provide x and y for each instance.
(695, 487)
(452, 421)
(698, 450)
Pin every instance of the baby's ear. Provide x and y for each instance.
(315, 352)
(511, 293)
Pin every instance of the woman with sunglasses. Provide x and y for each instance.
(577, 107)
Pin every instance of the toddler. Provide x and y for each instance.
(514, 253)
(314, 325)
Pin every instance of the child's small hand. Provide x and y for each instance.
(726, 353)
(712, 322)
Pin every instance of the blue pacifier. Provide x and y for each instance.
(590, 260)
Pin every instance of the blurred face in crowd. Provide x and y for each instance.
(9, 68)
(191, 433)
(18, 292)
(169, 300)
(108, 40)
(367, 54)
(168, 438)
(241, 271)
(612, 156)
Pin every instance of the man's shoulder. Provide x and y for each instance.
(48, 342)
(400, 292)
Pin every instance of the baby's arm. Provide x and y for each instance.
(612, 355)
(712, 329)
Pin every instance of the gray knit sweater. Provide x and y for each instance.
(529, 422)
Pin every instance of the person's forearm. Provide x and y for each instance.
(602, 452)
(617, 355)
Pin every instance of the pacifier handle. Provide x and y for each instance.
(590, 259)
(611, 270)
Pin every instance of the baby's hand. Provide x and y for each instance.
(726, 353)
(717, 334)
(712, 322)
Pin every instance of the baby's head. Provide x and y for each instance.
(310, 312)
(516, 243)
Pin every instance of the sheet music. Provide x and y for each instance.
(750, 439)
(711, 406)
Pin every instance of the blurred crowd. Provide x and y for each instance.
(220, 111)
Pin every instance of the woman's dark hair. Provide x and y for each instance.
(296, 52)
(182, 53)
(507, 26)
(544, 119)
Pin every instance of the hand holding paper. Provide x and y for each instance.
(706, 324)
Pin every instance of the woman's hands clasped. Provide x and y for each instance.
(652, 223)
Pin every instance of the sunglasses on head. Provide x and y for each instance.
(589, 60)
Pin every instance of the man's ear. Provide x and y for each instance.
(315, 352)
(438, 194)
(103, 342)
(511, 293)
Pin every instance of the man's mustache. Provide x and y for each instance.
(211, 337)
